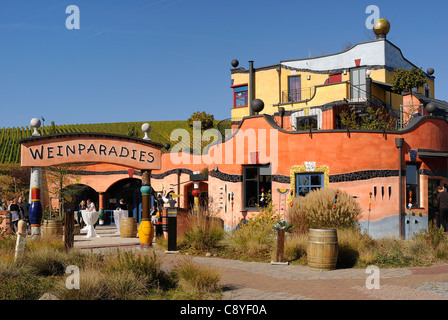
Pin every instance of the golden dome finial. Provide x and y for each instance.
(381, 27)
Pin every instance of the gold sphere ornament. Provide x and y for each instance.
(381, 27)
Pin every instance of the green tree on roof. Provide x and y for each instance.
(405, 80)
(205, 119)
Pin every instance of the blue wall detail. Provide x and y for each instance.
(388, 227)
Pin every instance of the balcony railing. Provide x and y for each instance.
(298, 95)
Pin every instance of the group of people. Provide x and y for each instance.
(83, 205)
(19, 209)
(156, 210)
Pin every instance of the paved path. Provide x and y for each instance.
(264, 281)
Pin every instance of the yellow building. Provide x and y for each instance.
(301, 88)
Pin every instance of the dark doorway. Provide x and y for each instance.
(79, 192)
(432, 200)
(129, 190)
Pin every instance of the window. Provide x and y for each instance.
(240, 96)
(358, 84)
(306, 123)
(306, 119)
(412, 185)
(427, 91)
(305, 182)
(255, 178)
(334, 78)
(294, 88)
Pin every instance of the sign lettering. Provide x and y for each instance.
(50, 152)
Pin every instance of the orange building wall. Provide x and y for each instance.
(341, 151)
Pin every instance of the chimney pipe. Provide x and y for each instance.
(251, 86)
(399, 144)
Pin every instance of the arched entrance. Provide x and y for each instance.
(89, 148)
(78, 192)
(203, 196)
(128, 190)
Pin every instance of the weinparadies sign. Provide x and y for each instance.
(65, 148)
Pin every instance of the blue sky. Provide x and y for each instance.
(148, 60)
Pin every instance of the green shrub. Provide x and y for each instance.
(197, 278)
(432, 236)
(295, 247)
(257, 235)
(45, 262)
(144, 267)
(205, 233)
(206, 120)
(125, 286)
(23, 286)
(354, 248)
(92, 286)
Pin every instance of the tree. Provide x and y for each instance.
(14, 181)
(405, 80)
(205, 119)
(132, 132)
(59, 178)
(52, 128)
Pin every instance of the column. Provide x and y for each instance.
(35, 211)
(146, 229)
(101, 207)
(146, 193)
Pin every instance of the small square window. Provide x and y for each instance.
(306, 123)
(306, 182)
(255, 180)
(240, 96)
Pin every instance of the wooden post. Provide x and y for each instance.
(69, 230)
(280, 245)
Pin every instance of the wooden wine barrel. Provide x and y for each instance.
(322, 249)
(52, 228)
(128, 227)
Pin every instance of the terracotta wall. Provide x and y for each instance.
(356, 162)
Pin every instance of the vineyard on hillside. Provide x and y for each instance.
(160, 132)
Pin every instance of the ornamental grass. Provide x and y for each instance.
(316, 211)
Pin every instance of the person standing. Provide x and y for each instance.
(82, 206)
(24, 208)
(14, 209)
(91, 207)
(442, 201)
(122, 205)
